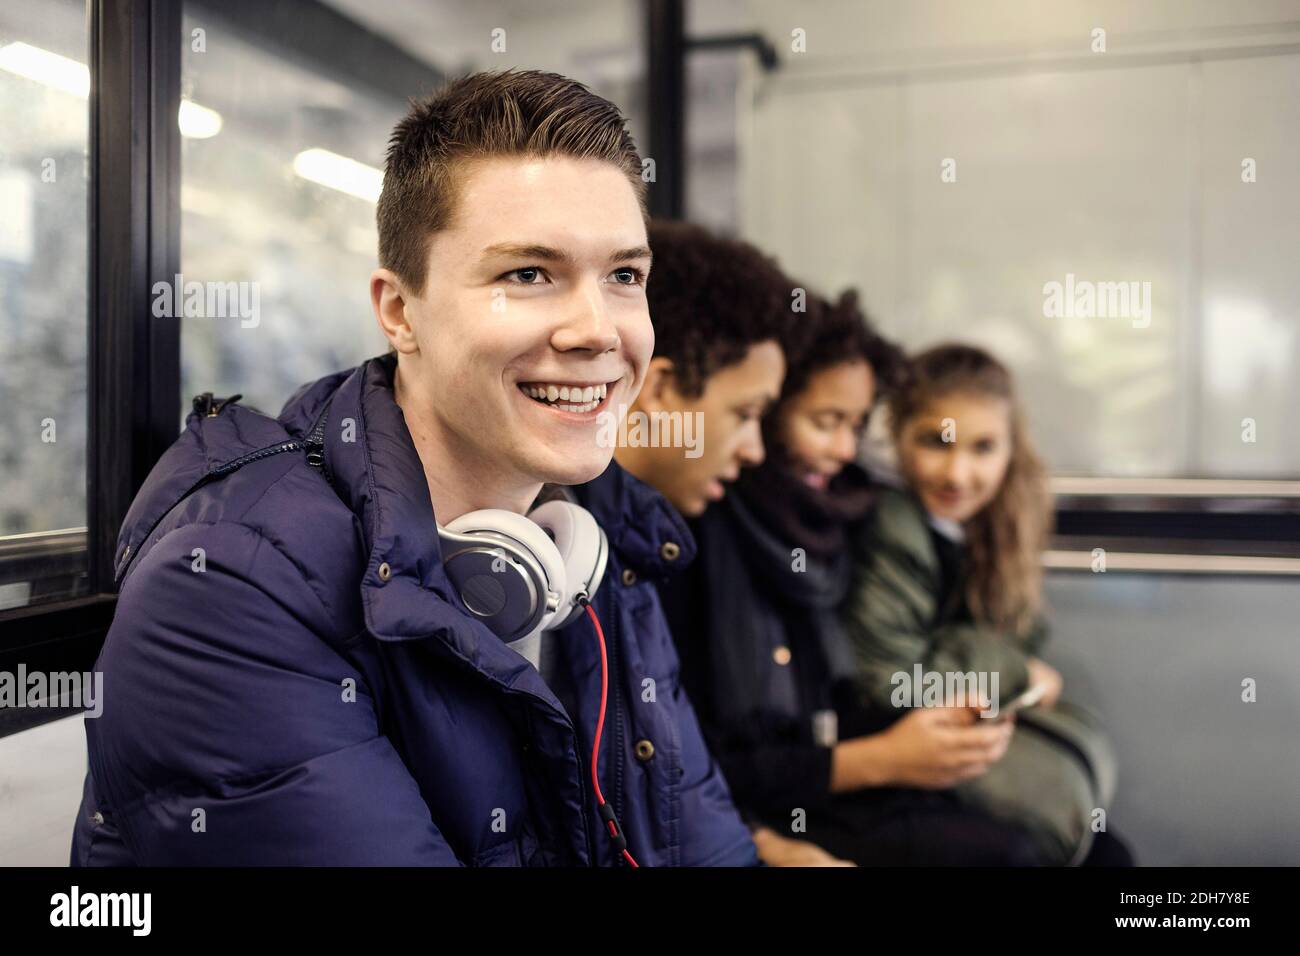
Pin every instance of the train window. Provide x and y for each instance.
(282, 165)
(44, 94)
(967, 200)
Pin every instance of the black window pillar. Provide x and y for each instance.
(134, 375)
(666, 97)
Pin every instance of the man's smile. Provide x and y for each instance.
(576, 401)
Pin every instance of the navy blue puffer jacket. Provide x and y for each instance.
(270, 699)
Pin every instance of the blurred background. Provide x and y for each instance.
(947, 158)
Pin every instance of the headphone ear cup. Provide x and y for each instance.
(520, 539)
(582, 546)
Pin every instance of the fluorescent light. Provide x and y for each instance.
(198, 122)
(339, 172)
(50, 69)
(69, 76)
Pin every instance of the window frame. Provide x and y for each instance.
(134, 53)
(133, 373)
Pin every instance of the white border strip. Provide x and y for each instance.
(1176, 487)
(1172, 563)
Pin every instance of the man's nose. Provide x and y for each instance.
(587, 324)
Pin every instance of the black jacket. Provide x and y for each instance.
(764, 660)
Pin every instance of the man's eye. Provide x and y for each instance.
(526, 276)
(628, 275)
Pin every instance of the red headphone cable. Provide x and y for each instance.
(606, 811)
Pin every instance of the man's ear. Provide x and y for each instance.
(388, 297)
(659, 390)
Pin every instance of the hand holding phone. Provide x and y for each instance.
(1028, 699)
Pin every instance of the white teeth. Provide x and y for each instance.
(576, 398)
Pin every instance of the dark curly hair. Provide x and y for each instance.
(838, 332)
(711, 299)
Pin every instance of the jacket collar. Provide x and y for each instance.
(371, 460)
(639, 521)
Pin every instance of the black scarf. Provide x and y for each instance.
(815, 520)
(764, 595)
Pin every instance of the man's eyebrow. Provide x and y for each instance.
(548, 254)
(524, 251)
(635, 252)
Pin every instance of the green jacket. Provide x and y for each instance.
(1058, 776)
(897, 615)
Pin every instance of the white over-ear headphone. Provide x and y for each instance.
(523, 575)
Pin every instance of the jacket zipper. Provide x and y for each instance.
(218, 472)
(268, 451)
(315, 445)
(585, 804)
(582, 788)
(618, 751)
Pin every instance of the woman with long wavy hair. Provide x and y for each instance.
(948, 589)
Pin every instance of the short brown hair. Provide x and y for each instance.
(504, 113)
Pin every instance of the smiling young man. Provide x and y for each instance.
(291, 676)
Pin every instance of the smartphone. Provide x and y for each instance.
(1028, 699)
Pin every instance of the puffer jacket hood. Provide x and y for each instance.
(271, 697)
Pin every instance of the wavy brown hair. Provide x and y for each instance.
(1004, 581)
